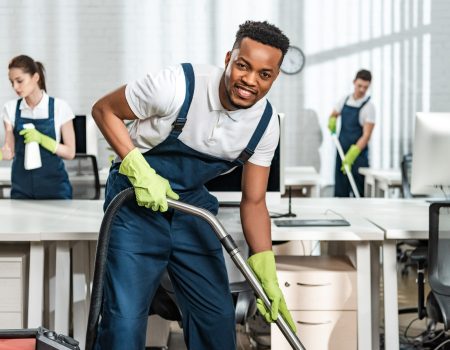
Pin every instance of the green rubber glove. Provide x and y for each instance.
(151, 189)
(1, 154)
(350, 157)
(332, 124)
(45, 141)
(263, 265)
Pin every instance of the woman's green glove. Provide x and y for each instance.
(263, 265)
(151, 189)
(32, 135)
(332, 124)
(350, 157)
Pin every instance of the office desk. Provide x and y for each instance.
(361, 233)
(399, 219)
(5, 178)
(70, 222)
(303, 177)
(378, 182)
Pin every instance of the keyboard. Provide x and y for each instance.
(310, 222)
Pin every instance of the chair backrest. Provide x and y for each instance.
(439, 257)
(84, 177)
(406, 166)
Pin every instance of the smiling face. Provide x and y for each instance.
(24, 84)
(250, 71)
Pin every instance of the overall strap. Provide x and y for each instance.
(364, 103)
(51, 108)
(18, 109)
(178, 124)
(260, 129)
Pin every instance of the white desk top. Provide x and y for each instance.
(301, 176)
(27, 220)
(392, 177)
(81, 220)
(310, 208)
(398, 218)
(5, 176)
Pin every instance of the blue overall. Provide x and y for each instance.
(50, 181)
(144, 243)
(351, 131)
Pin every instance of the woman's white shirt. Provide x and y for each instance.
(63, 113)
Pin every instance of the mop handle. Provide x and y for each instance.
(231, 247)
(346, 167)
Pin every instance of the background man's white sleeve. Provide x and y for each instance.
(367, 114)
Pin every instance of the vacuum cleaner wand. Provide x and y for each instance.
(232, 249)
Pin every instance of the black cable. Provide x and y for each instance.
(100, 264)
(408, 326)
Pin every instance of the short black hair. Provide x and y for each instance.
(364, 75)
(263, 32)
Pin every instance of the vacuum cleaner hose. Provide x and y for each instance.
(226, 240)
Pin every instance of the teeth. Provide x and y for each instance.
(244, 92)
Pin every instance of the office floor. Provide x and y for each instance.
(410, 328)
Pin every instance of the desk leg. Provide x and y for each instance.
(60, 293)
(375, 277)
(80, 292)
(364, 296)
(315, 191)
(391, 326)
(36, 285)
(367, 188)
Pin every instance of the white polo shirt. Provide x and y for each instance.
(366, 114)
(63, 113)
(210, 129)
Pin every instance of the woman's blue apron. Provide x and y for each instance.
(145, 243)
(47, 182)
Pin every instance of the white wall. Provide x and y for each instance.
(92, 47)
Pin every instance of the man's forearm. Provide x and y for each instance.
(114, 130)
(362, 142)
(256, 226)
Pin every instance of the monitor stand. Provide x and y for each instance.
(289, 214)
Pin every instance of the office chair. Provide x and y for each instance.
(83, 176)
(438, 301)
(165, 305)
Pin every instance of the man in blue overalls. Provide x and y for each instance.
(192, 123)
(357, 114)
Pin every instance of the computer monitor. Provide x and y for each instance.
(79, 125)
(430, 172)
(85, 135)
(227, 187)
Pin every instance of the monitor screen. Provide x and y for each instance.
(227, 187)
(79, 125)
(430, 172)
